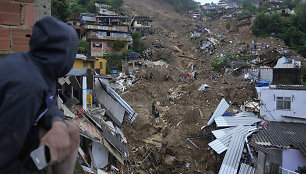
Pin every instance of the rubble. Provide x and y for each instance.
(125, 126)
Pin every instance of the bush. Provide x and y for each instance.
(218, 63)
(118, 45)
(138, 45)
(83, 47)
(113, 60)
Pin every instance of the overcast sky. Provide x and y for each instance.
(207, 1)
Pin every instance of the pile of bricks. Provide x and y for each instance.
(17, 18)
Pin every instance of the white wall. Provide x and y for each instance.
(297, 113)
(292, 159)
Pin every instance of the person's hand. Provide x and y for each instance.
(62, 139)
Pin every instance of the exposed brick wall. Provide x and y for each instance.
(17, 18)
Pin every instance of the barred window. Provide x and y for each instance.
(283, 103)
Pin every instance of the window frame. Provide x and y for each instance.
(282, 103)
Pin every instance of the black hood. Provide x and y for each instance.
(53, 46)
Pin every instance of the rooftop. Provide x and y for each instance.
(282, 135)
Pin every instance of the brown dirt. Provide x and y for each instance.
(178, 102)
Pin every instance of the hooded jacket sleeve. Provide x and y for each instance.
(16, 117)
(53, 114)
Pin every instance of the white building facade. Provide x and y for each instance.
(284, 104)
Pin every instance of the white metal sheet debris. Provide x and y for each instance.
(221, 144)
(100, 155)
(232, 157)
(235, 121)
(245, 114)
(246, 169)
(222, 107)
(202, 88)
(131, 114)
(221, 132)
(115, 109)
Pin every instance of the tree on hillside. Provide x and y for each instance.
(61, 9)
(292, 30)
(138, 45)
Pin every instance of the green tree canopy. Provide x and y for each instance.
(292, 30)
(118, 45)
(61, 9)
(138, 45)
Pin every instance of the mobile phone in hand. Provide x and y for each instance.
(41, 157)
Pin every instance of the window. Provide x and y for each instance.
(101, 65)
(138, 22)
(85, 64)
(97, 45)
(283, 103)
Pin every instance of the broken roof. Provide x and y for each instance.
(222, 107)
(221, 144)
(236, 121)
(246, 169)
(291, 87)
(232, 157)
(282, 135)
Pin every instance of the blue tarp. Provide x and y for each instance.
(227, 114)
(262, 83)
(133, 54)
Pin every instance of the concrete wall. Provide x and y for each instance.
(297, 113)
(260, 73)
(17, 18)
(103, 68)
(292, 159)
(107, 46)
(79, 64)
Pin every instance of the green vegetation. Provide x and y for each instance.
(228, 26)
(113, 61)
(138, 45)
(292, 29)
(247, 8)
(219, 62)
(183, 5)
(62, 9)
(83, 47)
(118, 45)
(291, 4)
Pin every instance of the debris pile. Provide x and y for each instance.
(233, 139)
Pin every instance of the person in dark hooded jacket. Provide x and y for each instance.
(29, 116)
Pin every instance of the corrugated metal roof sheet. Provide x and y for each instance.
(245, 114)
(283, 135)
(130, 113)
(232, 157)
(77, 72)
(235, 121)
(221, 144)
(262, 148)
(222, 107)
(246, 169)
(221, 132)
(291, 87)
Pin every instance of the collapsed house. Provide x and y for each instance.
(253, 145)
(99, 112)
